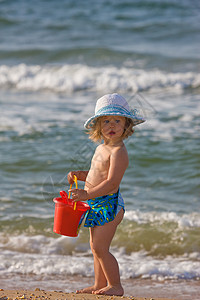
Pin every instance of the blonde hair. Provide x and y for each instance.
(95, 131)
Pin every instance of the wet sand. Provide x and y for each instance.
(51, 287)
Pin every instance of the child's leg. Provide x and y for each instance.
(100, 279)
(101, 240)
(105, 265)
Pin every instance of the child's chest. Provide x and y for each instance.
(101, 160)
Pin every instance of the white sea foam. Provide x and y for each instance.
(42, 255)
(30, 113)
(141, 265)
(51, 257)
(24, 115)
(70, 78)
(183, 221)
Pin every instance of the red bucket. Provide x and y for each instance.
(67, 219)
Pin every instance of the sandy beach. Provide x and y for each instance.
(56, 59)
(52, 295)
(37, 288)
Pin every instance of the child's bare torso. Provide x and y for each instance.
(100, 165)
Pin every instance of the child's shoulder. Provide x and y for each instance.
(119, 150)
(100, 147)
(120, 154)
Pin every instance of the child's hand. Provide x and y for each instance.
(70, 177)
(78, 194)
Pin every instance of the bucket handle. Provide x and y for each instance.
(75, 180)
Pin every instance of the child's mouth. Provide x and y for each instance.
(111, 132)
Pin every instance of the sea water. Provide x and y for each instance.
(56, 60)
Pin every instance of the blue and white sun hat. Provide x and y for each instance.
(113, 105)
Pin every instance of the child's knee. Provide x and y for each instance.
(98, 250)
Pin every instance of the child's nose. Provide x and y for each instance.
(112, 123)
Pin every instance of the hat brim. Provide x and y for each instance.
(136, 119)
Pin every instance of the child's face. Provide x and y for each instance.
(112, 127)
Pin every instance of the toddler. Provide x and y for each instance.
(113, 122)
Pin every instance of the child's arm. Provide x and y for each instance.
(118, 166)
(81, 175)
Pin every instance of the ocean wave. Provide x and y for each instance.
(182, 221)
(77, 77)
(147, 245)
(47, 262)
(158, 234)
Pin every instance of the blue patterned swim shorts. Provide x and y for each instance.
(103, 209)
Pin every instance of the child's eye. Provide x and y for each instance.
(117, 121)
(106, 121)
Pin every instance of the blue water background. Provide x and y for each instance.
(56, 59)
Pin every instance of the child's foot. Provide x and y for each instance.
(111, 291)
(88, 290)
